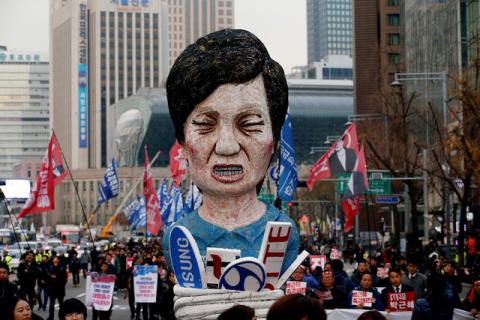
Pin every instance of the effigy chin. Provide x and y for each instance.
(228, 101)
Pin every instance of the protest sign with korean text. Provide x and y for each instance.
(145, 283)
(294, 287)
(102, 292)
(362, 297)
(401, 301)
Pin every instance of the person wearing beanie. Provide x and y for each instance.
(72, 308)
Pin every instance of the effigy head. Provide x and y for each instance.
(228, 100)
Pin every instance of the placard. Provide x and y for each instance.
(129, 263)
(102, 292)
(145, 282)
(382, 273)
(324, 295)
(335, 254)
(294, 287)
(401, 301)
(272, 250)
(186, 260)
(317, 261)
(217, 259)
(362, 297)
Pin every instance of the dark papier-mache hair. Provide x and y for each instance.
(227, 56)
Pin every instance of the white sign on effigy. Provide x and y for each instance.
(145, 282)
(216, 261)
(272, 250)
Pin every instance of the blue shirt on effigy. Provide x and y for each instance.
(247, 238)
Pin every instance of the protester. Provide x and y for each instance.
(238, 312)
(18, 309)
(329, 295)
(472, 300)
(99, 314)
(7, 289)
(72, 309)
(366, 284)
(357, 273)
(415, 279)
(395, 286)
(296, 307)
(300, 275)
(74, 268)
(27, 277)
(166, 302)
(56, 285)
(371, 315)
(342, 282)
(42, 283)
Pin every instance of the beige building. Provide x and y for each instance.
(191, 19)
(102, 51)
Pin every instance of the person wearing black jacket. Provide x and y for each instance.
(330, 297)
(7, 289)
(395, 286)
(57, 279)
(166, 302)
(42, 283)
(472, 300)
(27, 277)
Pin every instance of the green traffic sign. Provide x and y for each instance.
(378, 183)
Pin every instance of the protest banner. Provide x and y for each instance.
(362, 297)
(401, 301)
(382, 273)
(294, 287)
(101, 290)
(145, 283)
(324, 295)
(317, 261)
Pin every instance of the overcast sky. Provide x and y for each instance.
(280, 24)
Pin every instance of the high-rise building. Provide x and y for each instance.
(329, 28)
(377, 52)
(191, 19)
(24, 122)
(102, 51)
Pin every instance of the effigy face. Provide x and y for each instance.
(229, 140)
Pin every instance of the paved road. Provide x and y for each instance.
(120, 308)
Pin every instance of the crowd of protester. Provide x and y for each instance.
(43, 277)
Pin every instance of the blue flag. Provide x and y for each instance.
(110, 187)
(177, 205)
(193, 199)
(162, 195)
(166, 205)
(131, 212)
(140, 215)
(287, 178)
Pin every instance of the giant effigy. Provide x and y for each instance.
(228, 101)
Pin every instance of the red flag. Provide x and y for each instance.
(59, 171)
(178, 163)
(42, 194)
(358, 181)
(350, 207)
(322, 169)
(154, 220)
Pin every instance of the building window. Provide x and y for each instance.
(393, 3)
(394, 39)
(394, 58)
(394, 19)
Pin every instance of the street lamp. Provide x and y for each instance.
(430, 76)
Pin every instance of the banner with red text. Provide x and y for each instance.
(145, 284)
(101, 292)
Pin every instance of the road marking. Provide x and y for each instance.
(80, 295)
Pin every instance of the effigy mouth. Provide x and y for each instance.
(227, 173)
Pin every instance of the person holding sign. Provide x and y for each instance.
(228, 101)
(395, 286)
(104, 314)
(329, 295)
(365, 296)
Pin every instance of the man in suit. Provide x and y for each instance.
(343, 159)
(395, 286)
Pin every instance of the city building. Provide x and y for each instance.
(329, 28)
(102, 51)
(24, 122)
(331, 67)
(377, 52)
(191, 19)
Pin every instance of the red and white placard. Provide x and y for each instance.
(362, 297)
(401, 301)
(217, 259)
(317, 261)
(294, 287)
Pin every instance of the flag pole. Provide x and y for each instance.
(368, 221)
(3, 199)
(75, 187)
